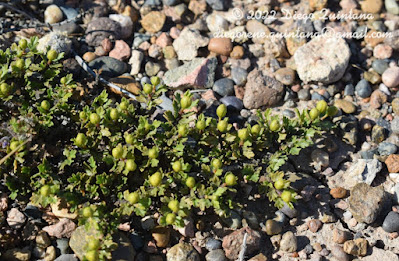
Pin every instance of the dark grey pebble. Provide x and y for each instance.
(391, 222)
(216, 255)
(363, 88)
(380, 66)
(239, 76)
(303, 94)
(232, 103)
(212, 244)
(386, 148)
(349, 90)
(110, 67)
(224, 87)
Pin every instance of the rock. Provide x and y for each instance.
(39, 252)
(365, 170)
(182, 251)
(147, 223)
(380, 66)
(381, 254)
(216, 255)
(338, 192)
(304, 94)
(42, 240)
(323, 59)
(391, 222)
(126, 24)
(392, 163)
(16, 255)
(345, 106)
(363, 89)
(371, 6)
(232, 103)
(135, 61)
(15, 218)
(258, 29)
(216, 23)
(232, 242)
(261, 90)
(386, 148)
(224, 87)
(339, 253)
(100, 28)
(222, 46)
(188, 43)
(62, 228)
(392, 7)
(3, 202)
(233, 221)
(340, 236)
(61, 210)
(198, 73)
(285, 75)
(288, 242)
(66, 257)
(218, 5)
(357, 247)
(390, 77)
(383, 51)
(161, 236)
(395, 106)
(50, 254)
(378, 134)
(239, 76)
(395, 125)
(153, 21)
(121, 50)
(314, 225)
(69, 12)
(320, 158)
(63, 245)
(273, 227)
(259, 257)
(169, 52)
(365, 202)
(110, 67)
(57, 41)
(53, 14)
(125, 82)
(212, 244)
(377, 99)
(89, 56)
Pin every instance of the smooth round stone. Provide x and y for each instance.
(390, 77)
(239, 76)
(346, 106)
(380, 66)
(285, 75)
(363, 89)
(89, 56)
(386, 148)
(63, 245)
(232, 102)
(224, 87)
(222, 46)
(391, 222)
(303, 94)
(216, 255)
(69, 12)
(216, 23)
(212, 244)
(110, 67)
(289, 212)
(349, 90)
(288, 113)
(151, 69)
(153, 2)
(316, 96)
(53, 14)
(272, 227)
(392, 7)
(136, 241)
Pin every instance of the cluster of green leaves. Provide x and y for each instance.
(118, 161)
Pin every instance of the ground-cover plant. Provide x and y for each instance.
(118, 160)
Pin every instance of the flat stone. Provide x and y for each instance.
(188, 43)
(182, 251)
(110, 67)
(100, 28)
(232, 242)
(153, 21)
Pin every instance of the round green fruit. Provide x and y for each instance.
(123, 105)
(321, 106)
(243, 134)
(279, 184)
(63, 80)
(221, 111)
(185, 102)
(174, 205)
(117, 152)
(153, 153)
(217, 164)
(23, 43)
(133, 197)
(201, 125)
(92, 255)
(255, 130)
(87, 212)
(114, 114)
(230, 179)
(5, 89)
(182, 130)
(314, 114)
(177, 166)
(147, 88)
(82, 115)
(14, 144)
(94, 244)
(45, 105)
(286, 196)
(155, 80)
(274, 125)
(131, 165)
(222, 125)
(170, 218)
(20, 64)
(80, 140)
(190, 182)
(156, 179)
(129, 139)
(52, 55)
(94, 118)
(45, 190)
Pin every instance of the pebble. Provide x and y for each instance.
(314, 225)
(135, 61)
(338, 192)
(377, 134)
(395, 125)
(121, 50)
(377, 99)
(153, 21)
(63, 245)
(380, 66)
(391, 222)
(224, 87)
(285, 75)
(357, 247)
(188, 43)
(56, 41)
(15, 218)
(42, 240)
(237, 52)
(392, 7)
(390, 77)
(216, 255)
(218, 5)
(339, 253)
(89, 56)
(386, 148)
(222, 46)
(304, 94)
(110, 67)
(216, 23)
(363, 89)
(66, 257)
(69, 12)
(50, 254)
(232, 243)
(53, 14)
(395, 106)
(212, 244)
(182, 251)
(126, 24)
(100, 28)
(345, 106)
(152, 69)
(239, 76)
(371, 6)
(63, 228)
(340, 236)
(273, 227)
(392, 163)
(383, 51)
(161, 236)
(17, 255)
(320, 157)
(288, 242)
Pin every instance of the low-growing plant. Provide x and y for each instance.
(119, 160)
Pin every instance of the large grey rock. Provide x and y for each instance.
(182, 251)
(101, 28)
(365, 170)
(110, 67)
(57, 41)
(198, 73)
(323, 59)
(365, 202)
(262, 90)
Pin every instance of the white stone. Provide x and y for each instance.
(188, 43)
(126, 24)
(135, 61)
(216, 23)
(53, 14)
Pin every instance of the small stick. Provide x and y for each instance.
(243, 248)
